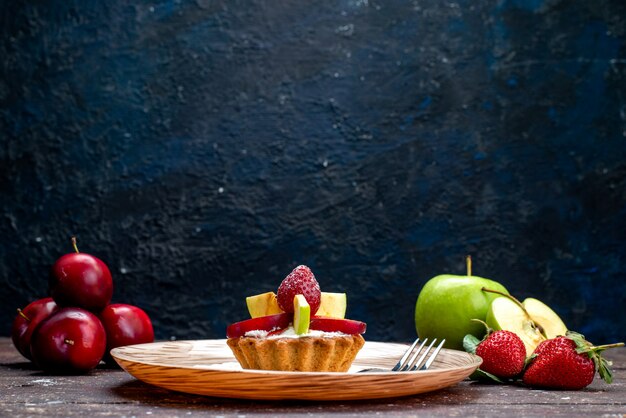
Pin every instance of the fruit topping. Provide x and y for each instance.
(300, 281)
(297, 301)
(263, 304)
(268, 323)
(301, 315)
(333, 305)
(345, 326)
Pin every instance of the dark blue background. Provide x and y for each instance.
(205, 148)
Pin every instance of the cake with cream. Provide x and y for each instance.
(299, 328)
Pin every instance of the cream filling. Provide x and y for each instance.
(290, 332)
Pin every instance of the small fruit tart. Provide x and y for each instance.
(298, 329)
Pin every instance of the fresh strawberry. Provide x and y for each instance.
(300, 281)
(503, 352)
(568, 362)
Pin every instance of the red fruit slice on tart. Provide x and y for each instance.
(273, 323)
(267, 323)
(345, 326)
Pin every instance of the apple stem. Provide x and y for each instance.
(22, 314)
(468, 263)
(68, 341)
(74, 244)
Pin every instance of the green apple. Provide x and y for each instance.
(447, 304)
(532, 320)
(301, 315)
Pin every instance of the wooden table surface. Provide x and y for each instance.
(25, 391)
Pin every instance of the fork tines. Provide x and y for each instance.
(410, 361)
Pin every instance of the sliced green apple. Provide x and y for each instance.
(332, 305)
(262, 305)
(506, 314)
(301, 315)
(545, 318)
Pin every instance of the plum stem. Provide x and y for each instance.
(468, 264)
(74, 244)
(22, 314)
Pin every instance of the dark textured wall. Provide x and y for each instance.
(205, 148)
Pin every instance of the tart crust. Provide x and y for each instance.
(304, 354)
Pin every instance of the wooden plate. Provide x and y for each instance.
(207, 367)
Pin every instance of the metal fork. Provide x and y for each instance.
(412, 364)
(410, 361)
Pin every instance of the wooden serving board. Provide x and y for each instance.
(207, 367)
